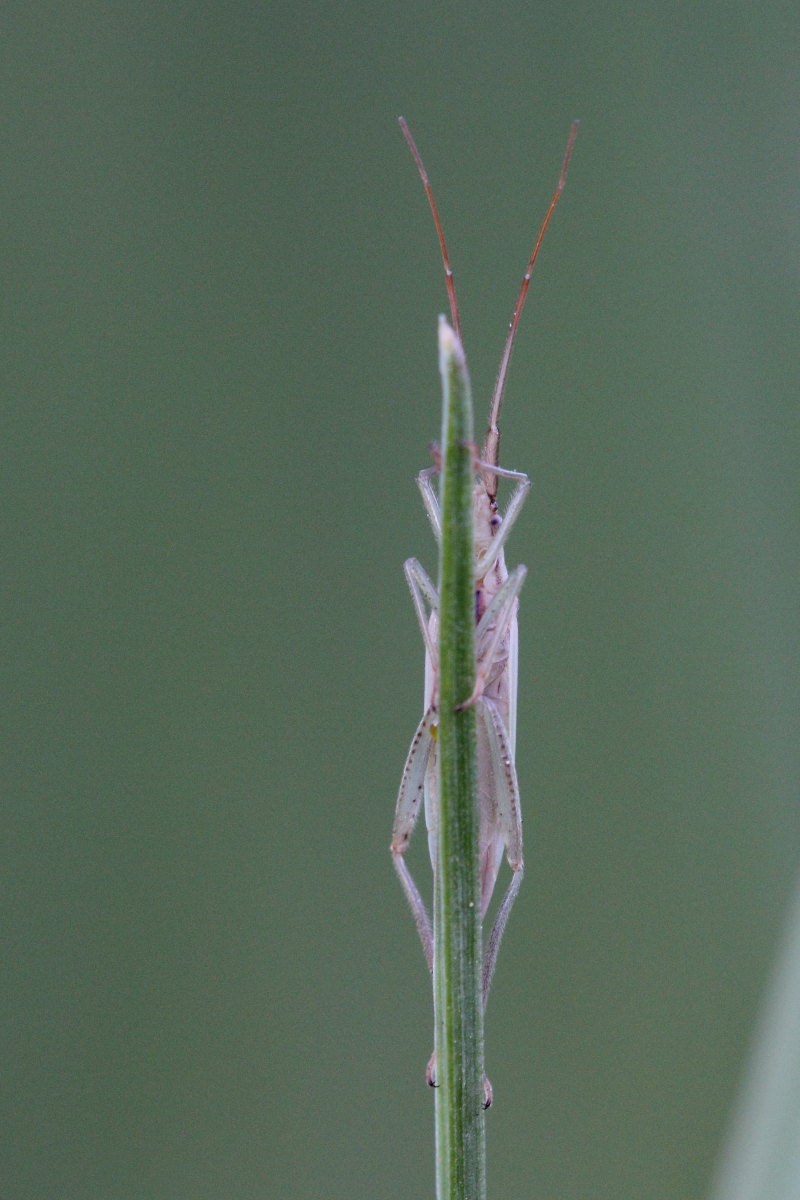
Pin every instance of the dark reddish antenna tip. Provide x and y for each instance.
(448, 273)
(491, 445)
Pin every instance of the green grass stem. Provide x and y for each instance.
(457, 962)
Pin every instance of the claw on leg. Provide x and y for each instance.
(430, 1071)
(430, 1079)
(477, 692)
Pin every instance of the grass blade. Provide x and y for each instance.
(457, 965)
(761, 1158)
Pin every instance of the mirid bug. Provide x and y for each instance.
(495, 692)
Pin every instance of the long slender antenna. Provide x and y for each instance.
(491, 445)
(448, 273)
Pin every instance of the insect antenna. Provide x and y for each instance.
(448, 272)
(491, 444)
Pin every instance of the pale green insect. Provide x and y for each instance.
(495, 691)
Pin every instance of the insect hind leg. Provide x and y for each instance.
(409, 798)
(498, 929)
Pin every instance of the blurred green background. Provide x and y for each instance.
(220, 291)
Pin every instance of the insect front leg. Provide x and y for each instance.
(515, 503)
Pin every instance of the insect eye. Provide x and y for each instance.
(495, 520)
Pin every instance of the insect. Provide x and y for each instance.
(495, 692)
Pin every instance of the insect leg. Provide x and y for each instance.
(412, 789)
(498, 929)
(430, 499)
(496, 619)
(497, 614)
(508, 820)
(430, 1079)
(506, 788)
(423, 592)
(509, 517)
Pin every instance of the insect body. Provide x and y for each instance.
(494, 696)
(495, 692)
